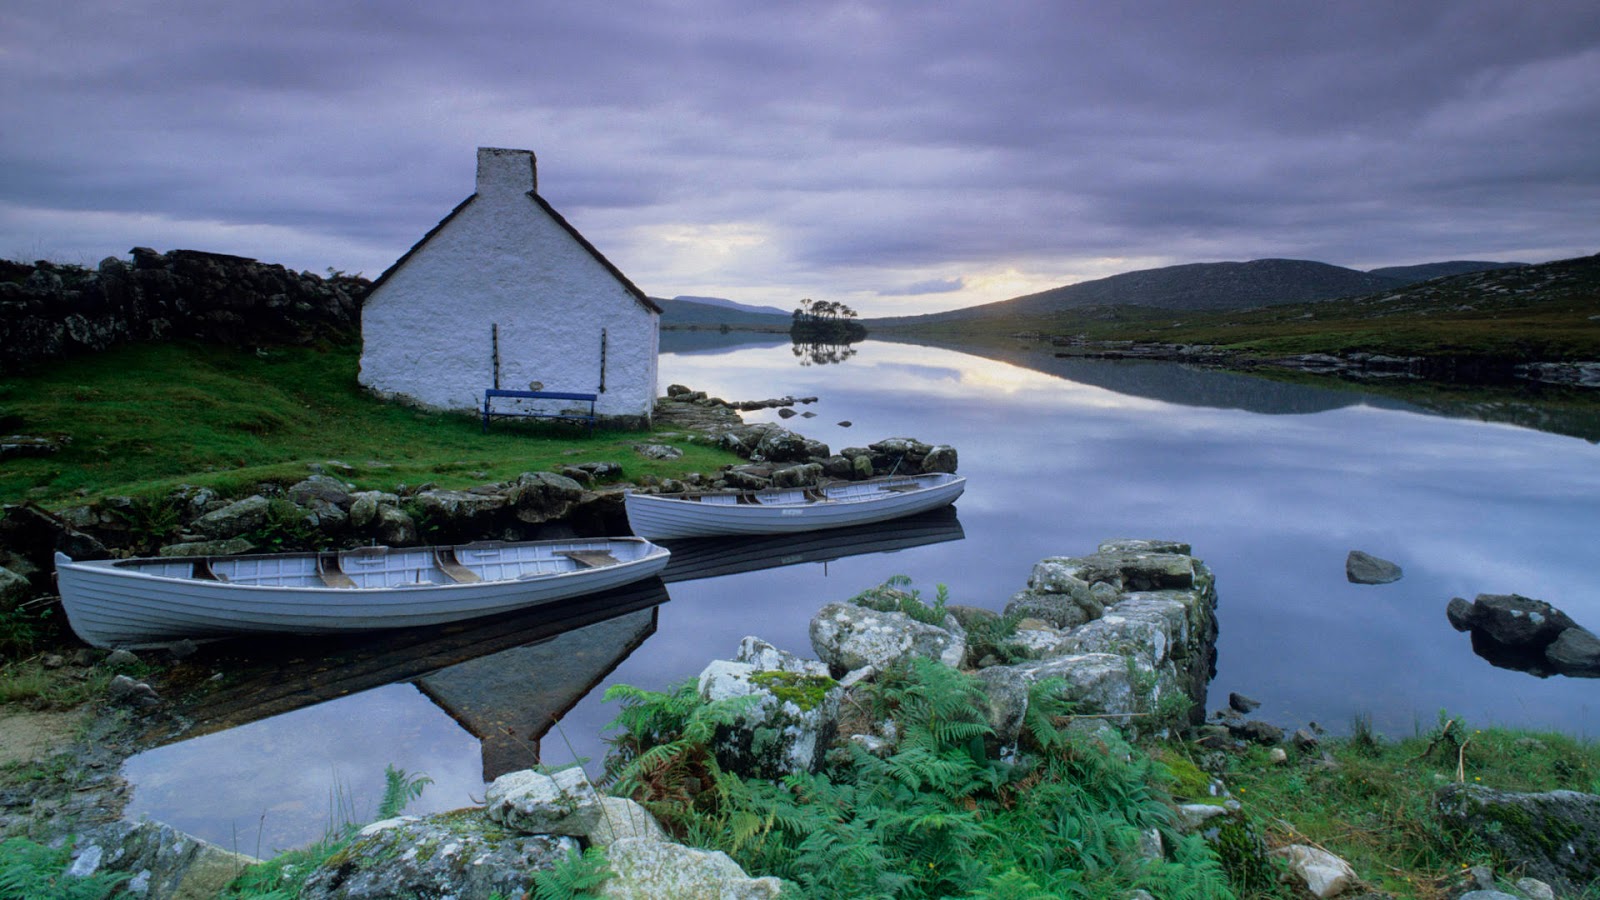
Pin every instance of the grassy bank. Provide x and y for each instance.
(143, 419)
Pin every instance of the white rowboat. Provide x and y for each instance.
(789, 510)
(159, 600)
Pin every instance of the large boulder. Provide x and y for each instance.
(235, 519)
(1322, 873)
(1510, 619)
(651, 870)
(1130, 629)
(787, 726)
(14, 589)
(543, 496)
(320, 488)
(847, 637)
(1529, 635)
(1553, 836)
(162, 861)
(458, 513)
(535, 803)
(1575, 653)
(459, 855)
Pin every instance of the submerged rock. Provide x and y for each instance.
(1516, 632)
(1364, 568)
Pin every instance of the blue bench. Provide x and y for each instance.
(492, 394)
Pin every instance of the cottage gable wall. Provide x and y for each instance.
(503, 265)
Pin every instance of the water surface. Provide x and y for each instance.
(1273, 484)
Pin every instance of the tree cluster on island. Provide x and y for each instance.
(825, 322)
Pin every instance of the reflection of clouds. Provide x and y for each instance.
(1272, 503)
(287, 775)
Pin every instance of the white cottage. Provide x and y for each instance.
(505, 293)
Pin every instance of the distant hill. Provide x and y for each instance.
(730, 304)
(1413, 274)
(714, 312)
(1202, 286)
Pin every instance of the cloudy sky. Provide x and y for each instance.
(900, 156)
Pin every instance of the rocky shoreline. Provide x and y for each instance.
(1464, 368)
(323, 510)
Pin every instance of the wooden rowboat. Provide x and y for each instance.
(788, 510)
(159, 600)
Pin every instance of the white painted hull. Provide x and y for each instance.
(788, 511)
(150, 602)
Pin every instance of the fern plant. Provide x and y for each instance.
(940, 816)
(577, 875)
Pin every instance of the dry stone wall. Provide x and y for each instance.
(49, 311)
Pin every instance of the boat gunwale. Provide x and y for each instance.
(118, 568)
(946, 479)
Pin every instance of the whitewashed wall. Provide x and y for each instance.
(503, 261)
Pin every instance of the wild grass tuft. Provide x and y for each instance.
(1369, 802)
(29, 871)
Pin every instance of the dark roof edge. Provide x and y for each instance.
(583, 242)
(418, 245)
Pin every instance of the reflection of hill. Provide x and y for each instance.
(697, 558)
(1174, 382)
(713, 341)
(1568, 412)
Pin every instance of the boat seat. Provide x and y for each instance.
(901, 488)
(590, 558)
(204, 572)
(445, 559)
(330, 573)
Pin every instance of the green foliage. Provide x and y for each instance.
(29, 871)
(942, 815)
(150, 521)
(578, 875)
(662, 756)
(399, 789)
(889, 597)
(288, 527)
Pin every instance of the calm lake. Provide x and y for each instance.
(1273, 484)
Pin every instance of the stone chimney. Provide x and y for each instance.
(506, 171)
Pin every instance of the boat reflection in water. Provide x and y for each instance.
(303, 725)
(695, 558)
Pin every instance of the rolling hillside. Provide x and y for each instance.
(714, 312)
(1199, 286)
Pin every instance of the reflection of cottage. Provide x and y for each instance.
(505, 293)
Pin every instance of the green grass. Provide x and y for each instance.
(143, 419)
(1371, 807)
